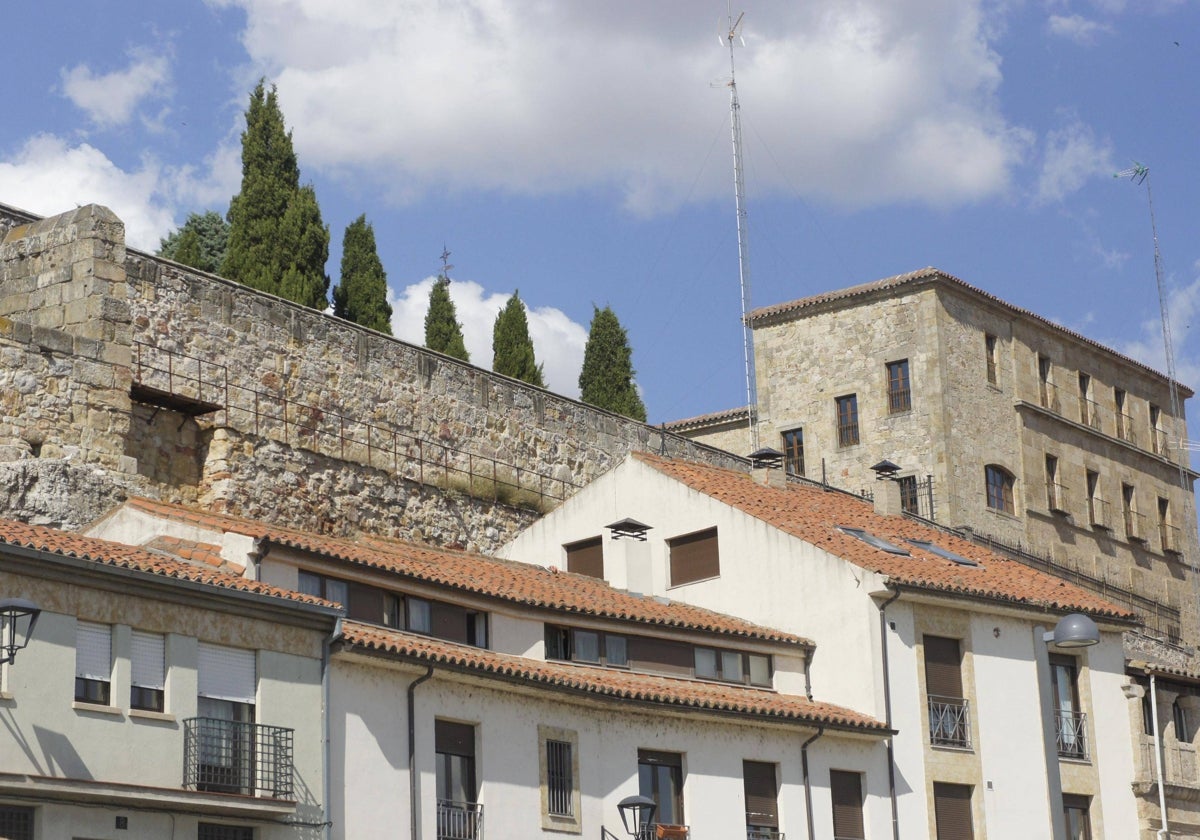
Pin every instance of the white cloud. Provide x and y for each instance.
(1077, 28)
(110, 99)
(1183, 305)
(49, 176)
(557, 340)
(1072, 156)
(862, 103)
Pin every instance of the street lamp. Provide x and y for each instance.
(1072, 631)
(17, 619)
(640, 811)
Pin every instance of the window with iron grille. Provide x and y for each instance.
(899, 391)
(847, 420)
(16, 823)
(909, 500)
(560, 785)
(219, 831)
(793, 451)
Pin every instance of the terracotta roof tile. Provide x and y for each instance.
(119, 555)
(193, 552)
(933, 275)
(607, 682)
(814, 515)
(479, 574)
(711, 419)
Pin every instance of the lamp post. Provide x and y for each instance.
(17, 620)
(637, 815)
(1072, 631)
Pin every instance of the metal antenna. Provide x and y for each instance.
(739, 193)
(445, 265)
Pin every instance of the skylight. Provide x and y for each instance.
(941, 552)
(874, 541)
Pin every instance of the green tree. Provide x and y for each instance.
(512, 348)
(606, 380)
(277, 241)
(200, 242)
(443, 332)
(361, 296)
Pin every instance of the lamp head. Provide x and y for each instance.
(17, 620)
(1074, 631)
(637, 812)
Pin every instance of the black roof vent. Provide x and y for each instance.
(767, 458)
(885, 470)
(629, 528)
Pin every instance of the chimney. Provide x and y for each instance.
(887, 490)
(632, 567)
(766, 468)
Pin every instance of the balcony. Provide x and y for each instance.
(1089, 414)
(949, 722)
(459, 820)
(1070, 730)
(1099, 514)
(1169, 538)
(1158, 442)
(762, 833)
(1135, 526)
(1125, 429)
(227, 756)
(1049, 397)
(1179, 764)
(1056, 497)
(663, 831)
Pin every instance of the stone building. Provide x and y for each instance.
(1003, 424)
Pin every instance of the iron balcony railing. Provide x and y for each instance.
(760, 833)
(1169, 536)
(1125, 428)
(1070, 730)
(1056, 496)
(227, 756)
(459, 820)
(663, 831)
(899, 400)
(847, 434)
(1089, 414)
(949, 722)
(1099, 513)
(1135, 525)
(1049, 397)
(1158, 438)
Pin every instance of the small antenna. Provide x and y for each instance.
(445, 265)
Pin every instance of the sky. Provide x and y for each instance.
(580, 152)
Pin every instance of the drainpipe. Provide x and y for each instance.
(887, 712)
(414, 804)
(808, 655)
(808, 806)
(325, 725)
(1163, 832)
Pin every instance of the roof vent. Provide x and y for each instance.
(628, 527)
(885, 470)
(767, 459)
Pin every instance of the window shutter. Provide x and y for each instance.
(943, 667)
(762, 808)
(952, 809)
(227, 673)
(148, 660)
(454, 738)
(586, 557)
(93, 651)
(846, 791)
(366, 604)
(694, 557)
(661, 655)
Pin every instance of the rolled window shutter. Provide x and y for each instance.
(846, 791)
(943, 667)
(952, 809)
(93, 651)
(226, 673)
(758, 781)
(148, 660)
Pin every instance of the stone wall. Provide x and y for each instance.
(256, 406)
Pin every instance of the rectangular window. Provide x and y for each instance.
(586, 557)
(762, 798)
(660, 777)
(1070, 723)
(16, 822)
(952, 811)
(1158, 438)
(1097, 507)
(1168, 534)
(1124, 424)
(694, 557)
(1047, 393)
(560, 780)
(418, 615)
(227, 680)
(1089, 414)
(586, 646)
(793, 451)
(147, 672)
(570, 644)
(1075, 812)
(1055, 491)
(949, 722)
(220, 831)
(93, 663)
(847, 420)
(459, 816)
(909, 500)
(1133, 519)
(899, 392)
(732, 666)
(989, 351)
(845, 789)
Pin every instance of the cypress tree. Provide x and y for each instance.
(277, 242)
(361, 296)
(606, 380)
(200, 242)
(443, 332)
(512, 348)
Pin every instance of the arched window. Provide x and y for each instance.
(999, 488)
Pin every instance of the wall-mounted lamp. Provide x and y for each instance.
(17, 620)
(637, 815)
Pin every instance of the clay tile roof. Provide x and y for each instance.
(606, 682)
(193, 552)
(933, 275)
(814, 515)
(710, 419)
(119, 555)
(479, 574)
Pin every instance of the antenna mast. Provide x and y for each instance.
(739, 192)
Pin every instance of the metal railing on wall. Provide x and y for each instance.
(198, 386)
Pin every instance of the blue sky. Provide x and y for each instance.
(580, 152)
